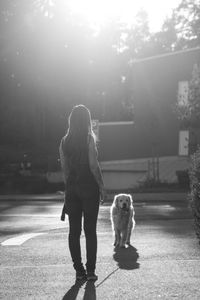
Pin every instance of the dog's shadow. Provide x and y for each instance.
(126, 258)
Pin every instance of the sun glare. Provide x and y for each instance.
(98, 12)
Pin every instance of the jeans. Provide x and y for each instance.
(83, 202)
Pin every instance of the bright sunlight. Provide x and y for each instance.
(97, 12)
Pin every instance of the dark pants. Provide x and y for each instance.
(83, 202)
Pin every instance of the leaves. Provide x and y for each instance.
(187, 20)
(50, 55)
(195, 190)
(189, 112)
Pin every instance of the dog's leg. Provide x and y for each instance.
(117, 238)
(123, 239)
(115, 242)
(129, 231)
(128, 236)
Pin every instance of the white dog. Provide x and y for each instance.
(122, 219)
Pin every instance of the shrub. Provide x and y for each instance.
(28, 185)
(183, 178)
(195, 190)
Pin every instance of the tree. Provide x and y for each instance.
(188, 112)
(187, 21)
(194, 96)
(164, 40)
(180, 31)
(138, 36)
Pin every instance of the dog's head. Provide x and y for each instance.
(123, 201)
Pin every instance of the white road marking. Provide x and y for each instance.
(19, 240)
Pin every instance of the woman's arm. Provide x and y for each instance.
(94, 164)
(64, 163)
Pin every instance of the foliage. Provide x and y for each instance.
(180, 31)
(195, 190)
(187, 19)
(163, 41)
(189, 112)
(194, 95)
(50, 55)
(138, 36)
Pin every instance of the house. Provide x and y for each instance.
(152, 142)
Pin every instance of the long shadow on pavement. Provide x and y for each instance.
(126, 258)
(90, 291)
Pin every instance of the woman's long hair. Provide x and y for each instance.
(79, 128)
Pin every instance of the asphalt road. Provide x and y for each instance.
(163, 262)
(18, 217)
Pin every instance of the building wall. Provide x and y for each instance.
(155, 130)
(116, 142)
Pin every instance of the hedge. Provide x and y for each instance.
(195, 190)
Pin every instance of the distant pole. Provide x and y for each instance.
(103, 104)
(157, 169)
(153, 163)
(154, 168)
(149, 171)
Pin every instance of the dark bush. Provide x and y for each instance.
(183, 178)
(28, 185)
(195, 190)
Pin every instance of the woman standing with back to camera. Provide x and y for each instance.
(84, 188)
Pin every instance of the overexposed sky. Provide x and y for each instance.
(158, 10)
(99, 11)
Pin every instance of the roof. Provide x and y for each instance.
(160, 56)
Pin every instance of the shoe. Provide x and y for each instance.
(92, 276)
(81, 275)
